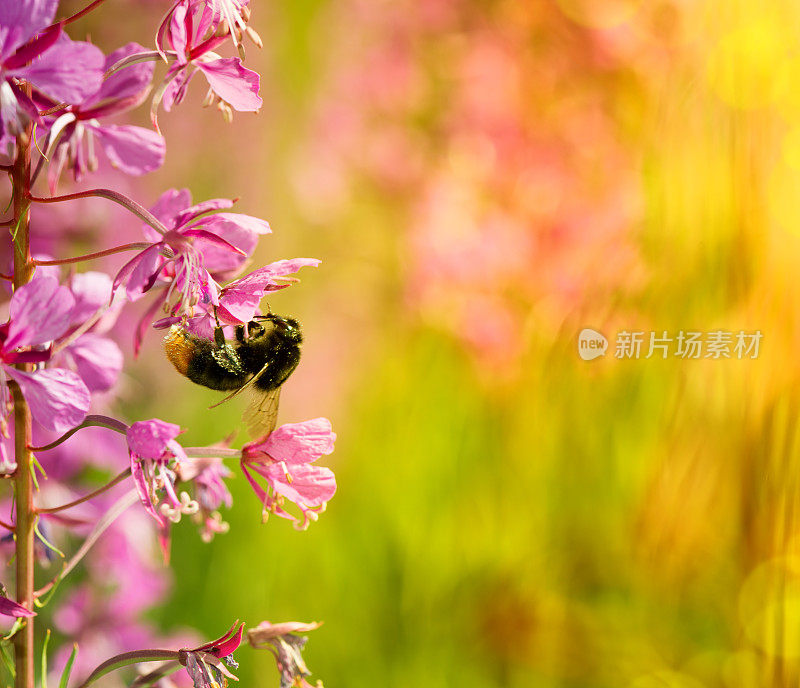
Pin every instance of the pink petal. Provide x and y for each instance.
(134, 150)
(40, 312)
(189, 214)
(170, 205)
(233, 83)
(240, 230)
(21, 19)
(129, 84)
(310, 485)
(98, 360)
(150, 439)
(144, 493)
(58, 398)
(297, 443)
(10, 608)
(69, 71)
(145, 271)
(92, 291)
(175, 91)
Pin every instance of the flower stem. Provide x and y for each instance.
(128, 203)
(23, 477)
(114, 481)
(72, 18)
(91, 421)
(136, 246)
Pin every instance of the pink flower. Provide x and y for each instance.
(152, 448)
(61, 69)
(41, 312)
(195, 245)
(210, 492)
(190, 28)
(282, 641)
(283, 459)
(97, 359)
(132, 149)
(239, 300)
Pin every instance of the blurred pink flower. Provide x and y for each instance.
(189, 29)
(58, 67)
(134, 150)
(41, 312)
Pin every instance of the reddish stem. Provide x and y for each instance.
(136, 246)
(117, 479)
(91, 6)
(140, 211)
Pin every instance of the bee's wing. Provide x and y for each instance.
(261, 414)
(241, 389)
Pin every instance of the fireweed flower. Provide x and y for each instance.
(283, 459)
(97, 359)
(134, 150)
(282, 641)
(208, 674)
(40, 312)
(152, 448)
(57, 67)
(210, 492)
(239, 300)
(189, 28)
(220, 16)
(182, 260)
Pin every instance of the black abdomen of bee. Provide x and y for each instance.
(205, 369)
(279, 356)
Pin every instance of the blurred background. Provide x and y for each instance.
(482, 180)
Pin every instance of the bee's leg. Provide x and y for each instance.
(219, 333)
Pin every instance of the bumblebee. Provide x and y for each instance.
(262, 356)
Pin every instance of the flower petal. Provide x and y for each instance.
(98, 359)
(149, 439)
(58, 399)
(170, 205)
(10, 608)
(92, 291)
(21, 19)
(297, 443)
(308, 486)
(129, 84)
(69, 71)
(40, 312)
(134, 150)
(232, 82)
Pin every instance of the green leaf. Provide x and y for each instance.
(44, 658)
(8, 657)
(68, 668)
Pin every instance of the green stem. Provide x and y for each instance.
(23, 477)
